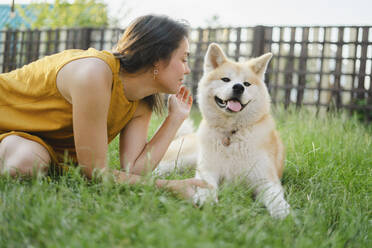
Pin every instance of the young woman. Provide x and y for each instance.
(72, 104)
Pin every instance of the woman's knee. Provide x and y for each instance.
(22, 156)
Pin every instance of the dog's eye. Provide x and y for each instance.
(225, 79)
(246, 84)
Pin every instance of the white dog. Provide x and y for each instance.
(237, 138)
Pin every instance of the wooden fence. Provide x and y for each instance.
(328, 67)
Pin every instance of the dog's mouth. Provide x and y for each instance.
(232, 105)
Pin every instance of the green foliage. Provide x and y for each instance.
(214, 21)
(80, 13)
(362, 113)
(327, 180)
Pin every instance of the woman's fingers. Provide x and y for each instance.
(190, 100)
(180, 92)
(185, 95)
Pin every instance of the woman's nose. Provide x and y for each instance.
(187, 71)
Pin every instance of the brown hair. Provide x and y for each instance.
(147, 40)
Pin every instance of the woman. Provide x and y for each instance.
(72, 104)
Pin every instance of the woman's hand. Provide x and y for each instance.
(185, 188)
(179, 105)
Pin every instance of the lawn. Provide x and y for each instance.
(328, 183)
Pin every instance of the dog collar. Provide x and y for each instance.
(226, 141)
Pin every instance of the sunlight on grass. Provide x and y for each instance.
(328, 182)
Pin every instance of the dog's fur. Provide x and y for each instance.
(236, 138)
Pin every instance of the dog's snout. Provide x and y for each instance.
(238, 89)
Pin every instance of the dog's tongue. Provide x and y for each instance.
(234, 106)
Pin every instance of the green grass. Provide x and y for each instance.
(328, 182)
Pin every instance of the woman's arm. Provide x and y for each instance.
(185, 188)
(140, 157)
(87, 85)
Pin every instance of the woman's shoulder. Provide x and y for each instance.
(91, 59)
(87, 67)
(90, 74)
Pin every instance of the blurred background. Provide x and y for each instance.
(232, 12)
(322, 49)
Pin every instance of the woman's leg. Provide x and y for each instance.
(23, 157)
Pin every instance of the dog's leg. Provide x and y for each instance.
(272, 196)
(268, 189)
(204, 194)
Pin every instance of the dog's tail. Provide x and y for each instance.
(187, 127)
(182, 152)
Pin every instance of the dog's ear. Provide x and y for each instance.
(214, 57)
(259, 64)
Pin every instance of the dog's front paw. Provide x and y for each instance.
(202, 195)
(280, 211)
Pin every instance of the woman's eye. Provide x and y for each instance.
(246, 84)
(225, 79)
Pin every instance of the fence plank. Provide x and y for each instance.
(21, 50)
(49, 42)
(277, 80)
(237, 43)
(267, 43)
(57, 41)
(102, 39)
(302, 67)
(319, 83)
(354, 36)
(363, 60)
(369, 98)
(325, 77)
(28, 46)
(67, 41)
(10, 49)
(337, 89)
(325, 95)
(289, 68)
(258, 41)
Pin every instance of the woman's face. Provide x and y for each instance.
(170, 76)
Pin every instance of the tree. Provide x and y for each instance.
(119, 16)
(213, 21)
(80, 13)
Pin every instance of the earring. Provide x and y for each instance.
(156, 71)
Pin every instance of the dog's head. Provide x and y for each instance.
(233, 90)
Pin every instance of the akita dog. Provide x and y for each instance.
(237, 138)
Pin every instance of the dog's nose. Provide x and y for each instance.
(238, 89)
